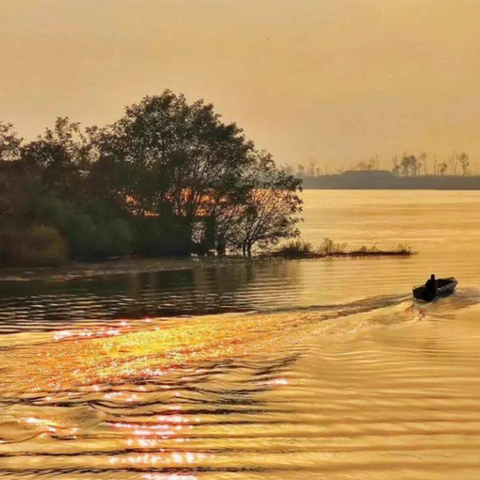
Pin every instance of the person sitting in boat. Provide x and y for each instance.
(432, 284)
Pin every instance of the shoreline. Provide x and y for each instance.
(352, 254)
(140, 264)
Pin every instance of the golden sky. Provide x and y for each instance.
(334, 81)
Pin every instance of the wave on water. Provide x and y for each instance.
(181, 398)
(85, 357)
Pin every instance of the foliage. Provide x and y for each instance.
(369, 165)
(270, 209)
(60, 158)
(365, 249)
(410, 165)
(329, 247)
(442, 168)
(168, 178)
(403, 248)
(9, 142)
(38, 245)
(464, 160)
(297, 246)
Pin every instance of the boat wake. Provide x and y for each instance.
(142, 389)
(102, 355)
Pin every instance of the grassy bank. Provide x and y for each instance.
(299, 248)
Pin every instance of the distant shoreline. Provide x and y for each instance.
(353, 254)
(384, 180)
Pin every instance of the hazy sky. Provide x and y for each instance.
(330, 80)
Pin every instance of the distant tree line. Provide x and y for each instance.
(458, 164)
(411, 165)
(168, 178)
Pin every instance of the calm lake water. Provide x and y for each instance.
(208, 369)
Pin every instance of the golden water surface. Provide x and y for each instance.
(209, 369)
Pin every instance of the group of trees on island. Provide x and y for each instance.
(412, 166)
(168, 178)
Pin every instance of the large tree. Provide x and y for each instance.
(170, 158)
(60, 157)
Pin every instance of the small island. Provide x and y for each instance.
(298, 248)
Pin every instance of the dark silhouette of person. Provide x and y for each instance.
(432, 284)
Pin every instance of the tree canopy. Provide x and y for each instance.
(169, 177)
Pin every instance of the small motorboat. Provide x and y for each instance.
(446, 286)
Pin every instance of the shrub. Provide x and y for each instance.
(404, 248)
(296, 246)
(329, 247)
(36, 246)
(48, 246)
